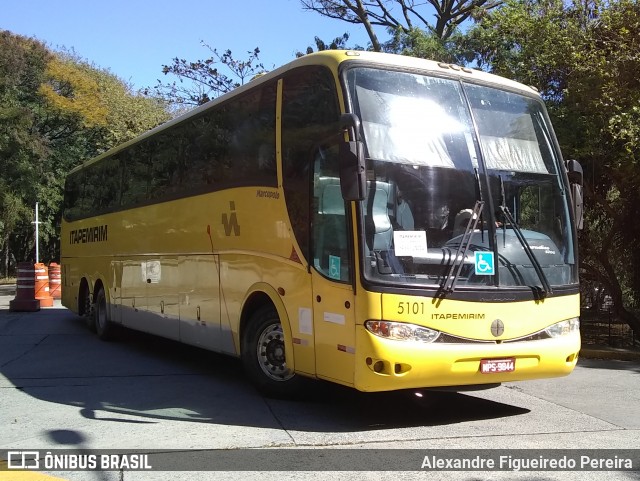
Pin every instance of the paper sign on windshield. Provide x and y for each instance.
(411, 243)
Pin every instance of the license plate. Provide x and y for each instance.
(491, 366)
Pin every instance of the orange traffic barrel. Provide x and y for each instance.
(25, 300)
(42, 285)
(55, 285)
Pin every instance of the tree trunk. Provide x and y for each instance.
(364, 18)
(616, 296)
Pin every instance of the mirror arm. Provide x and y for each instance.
(352, 167)
(351, 122)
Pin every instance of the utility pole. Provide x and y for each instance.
(37, 223)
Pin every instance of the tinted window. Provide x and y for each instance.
(230, 144)
(309, 116)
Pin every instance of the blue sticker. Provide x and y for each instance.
(484, 264)
(334, 267)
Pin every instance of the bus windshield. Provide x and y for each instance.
(435, 147)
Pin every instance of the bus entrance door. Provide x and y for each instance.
(333, 298)
(334, 329)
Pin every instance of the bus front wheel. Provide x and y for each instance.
(263, 355)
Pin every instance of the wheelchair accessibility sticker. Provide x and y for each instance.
(484, 264)
(334, 267)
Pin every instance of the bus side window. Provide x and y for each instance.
(252, 139)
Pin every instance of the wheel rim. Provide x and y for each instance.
(87, 305)
(270, 350)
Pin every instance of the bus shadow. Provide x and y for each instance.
(347, 410)
(142, 379)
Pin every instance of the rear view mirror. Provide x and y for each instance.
(575, 175)
(351, 153)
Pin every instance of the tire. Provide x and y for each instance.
(103, 326)
(263, 355)
(86, 309)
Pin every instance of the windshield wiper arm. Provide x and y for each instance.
(546, 287)
(451, 279)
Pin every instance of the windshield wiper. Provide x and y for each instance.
(546, 287)
(451, 279)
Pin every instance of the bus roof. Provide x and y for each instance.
(333, 59)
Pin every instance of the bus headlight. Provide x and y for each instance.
(399, 331)
(563, 328)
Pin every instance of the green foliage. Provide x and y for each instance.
(55, 111)
(419, 43)
(535, 42)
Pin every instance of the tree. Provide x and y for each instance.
(583, 58)
(70, 91)
(128, 113)
(338, 43)
(201, 80)
(402, 16)
(55, 111)
(418, 43)
(22, 65)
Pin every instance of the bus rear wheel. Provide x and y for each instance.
(85, 307)
(103, 326)
(263, 355)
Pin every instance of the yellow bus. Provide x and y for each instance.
(378, 221)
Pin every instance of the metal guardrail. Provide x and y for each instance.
(603, 328)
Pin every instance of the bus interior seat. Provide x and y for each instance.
(381, 208)
(461, 221)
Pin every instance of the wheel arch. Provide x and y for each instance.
(261, 295)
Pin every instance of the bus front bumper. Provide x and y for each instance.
(384, 365)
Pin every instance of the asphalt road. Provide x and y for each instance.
(62, 388)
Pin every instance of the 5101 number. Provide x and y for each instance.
(411, 308)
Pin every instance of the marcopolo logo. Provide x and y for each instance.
(230, 221)
(497, 328)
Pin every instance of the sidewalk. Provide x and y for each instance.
(588, 351)
(8, 293)
(592, 351)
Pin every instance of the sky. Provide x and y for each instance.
(134, 38)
